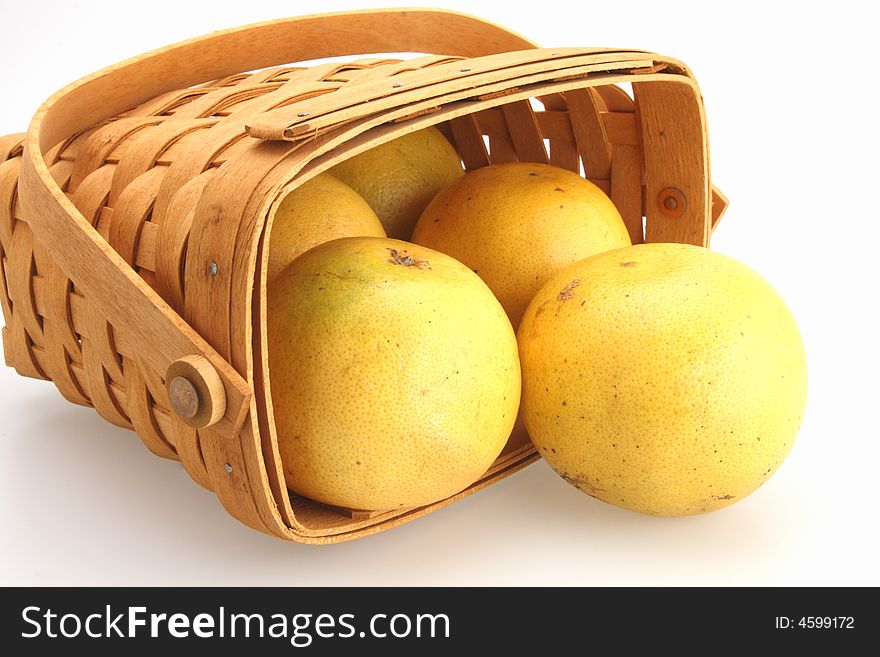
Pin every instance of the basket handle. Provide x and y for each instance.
(128, 303)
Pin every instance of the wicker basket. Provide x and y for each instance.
(136, 212)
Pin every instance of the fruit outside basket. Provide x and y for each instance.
(135, 214)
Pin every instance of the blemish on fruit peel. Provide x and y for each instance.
(399, 258)
(566, 293)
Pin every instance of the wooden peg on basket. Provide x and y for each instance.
(196, 391)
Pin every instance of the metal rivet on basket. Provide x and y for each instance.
(228, 468)
(213, 269)
(672, 202)
(302, 114)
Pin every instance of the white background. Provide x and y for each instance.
(791, 97)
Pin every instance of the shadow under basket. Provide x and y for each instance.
(136, 212)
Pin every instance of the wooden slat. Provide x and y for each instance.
(92, 153)
(139, 403)
(485, 77)
(525, 134)
(145, 148)
(469, 142)
(132, 210)
(173, 240)
(615, 98)
(589, 132)
(604, 185)
(675, 157)
(719, 206)
(63, 345)
(563, 152)
(620, 127)
(146, 248)
(626, 189)
(79, 313)
(501, 150)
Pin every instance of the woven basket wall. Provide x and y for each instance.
(181, 178)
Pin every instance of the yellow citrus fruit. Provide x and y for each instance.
(663, 378)
(394, 372)
(320, 210)
(517, 224)
(400, 177)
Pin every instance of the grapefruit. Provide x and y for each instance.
(517, 224)
(394, 372)
(320, 210)
(400, 177)
(663, 378)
